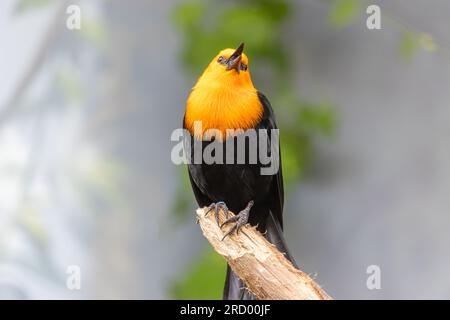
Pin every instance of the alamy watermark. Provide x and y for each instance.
(373, 281)
(73, 21)
(73, 281)
(252, 146)
(373, 21)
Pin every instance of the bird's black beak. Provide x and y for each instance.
(234, 61)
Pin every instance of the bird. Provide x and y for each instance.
(224, 98)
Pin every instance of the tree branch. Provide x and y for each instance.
(265, 270)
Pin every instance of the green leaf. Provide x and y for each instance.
(318, 119)
(343, 12)
(295, 154)
(253, 26)
(427, 42)
(408, 45)
(202, 280)
(186, 15)
(183, 199)
(292, 164)
(93, 31)
(25, 5)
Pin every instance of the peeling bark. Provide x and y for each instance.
(264, 269)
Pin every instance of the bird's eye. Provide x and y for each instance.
(221, 60)
(243, 67)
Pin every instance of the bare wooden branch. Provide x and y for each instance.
(265, 270)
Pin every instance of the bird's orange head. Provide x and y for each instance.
(224, 96)
(229, 67)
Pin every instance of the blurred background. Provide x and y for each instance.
(85, 123)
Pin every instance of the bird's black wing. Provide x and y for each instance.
(201, 198)
(276, 193)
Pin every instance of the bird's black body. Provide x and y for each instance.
(236, 185)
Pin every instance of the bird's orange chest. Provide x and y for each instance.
(217, 108)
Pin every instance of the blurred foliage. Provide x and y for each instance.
(408, 45)
(209, 26)
(202, 280)
(94, 32)
(427, 42)
(96, 176)
(411, 42)
(25, 5)
(182, 198)
(343, 12)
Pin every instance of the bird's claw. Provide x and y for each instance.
(240, 220)
(217, 206)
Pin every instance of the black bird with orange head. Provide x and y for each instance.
(224, 101)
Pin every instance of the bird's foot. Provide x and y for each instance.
(240, 220)
(217, 206)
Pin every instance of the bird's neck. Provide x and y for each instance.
(221, 107)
